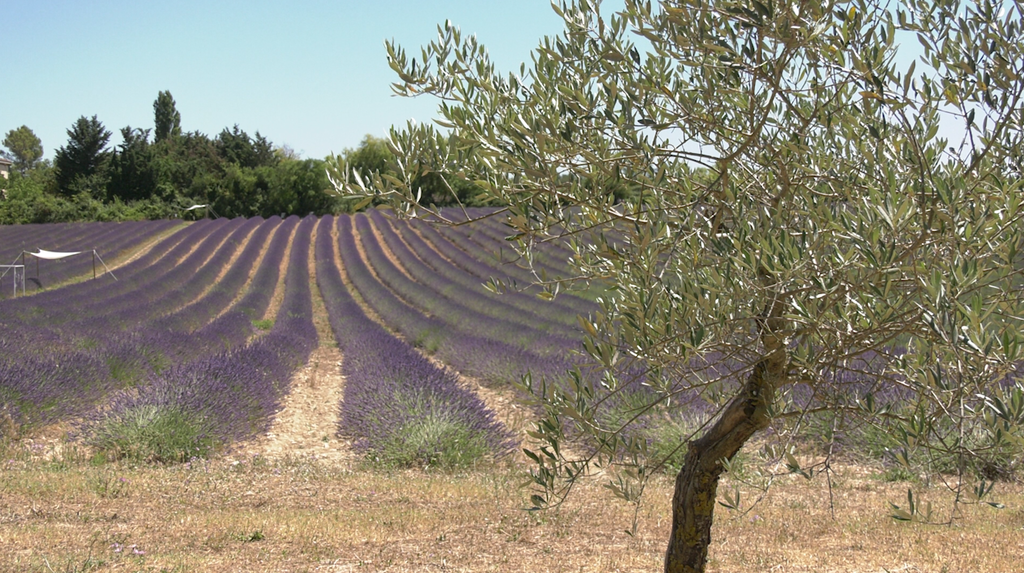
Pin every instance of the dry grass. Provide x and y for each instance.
(287, 514)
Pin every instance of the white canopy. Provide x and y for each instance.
(195, 207)
(53, 255)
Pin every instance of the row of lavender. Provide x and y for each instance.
(167, 338)
(226, 396)
(109, 240)
(488, 235)
(68, 337)
(52, 368)
(168, 348)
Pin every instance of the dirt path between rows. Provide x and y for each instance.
(307, 424)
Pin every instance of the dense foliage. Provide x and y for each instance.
(375, 158)
(157, 177)
(158, 173)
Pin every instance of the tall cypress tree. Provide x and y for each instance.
(167, 120)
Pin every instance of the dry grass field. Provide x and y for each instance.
(59, 512)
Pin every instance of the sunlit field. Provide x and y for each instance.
(337, 394)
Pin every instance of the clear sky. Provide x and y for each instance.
(311, 75)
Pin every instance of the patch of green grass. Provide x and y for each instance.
(434, 440)
(151, 433)
(254, 536)
(897, 474)
(108, 484)
(429, 340)
(666, 430)
(265, 324)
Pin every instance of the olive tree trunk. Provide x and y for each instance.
(693, 504)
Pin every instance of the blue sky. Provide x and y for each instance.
(312, 75)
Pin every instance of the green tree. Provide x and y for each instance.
(133, 173)
(300, 186)
(374, 157)
(235, 146)
(188, 166)
(167, 119)
(82, 164)
(799, 239)
(24, 146)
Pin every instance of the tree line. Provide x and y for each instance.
(159, 172)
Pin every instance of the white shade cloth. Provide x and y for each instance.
(53, 255)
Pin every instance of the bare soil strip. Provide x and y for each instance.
(278, 298)
(387, 249)
(306, 425)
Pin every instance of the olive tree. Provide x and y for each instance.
(800, 208)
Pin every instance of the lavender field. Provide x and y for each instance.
(193, 346)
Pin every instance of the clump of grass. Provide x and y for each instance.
(896, 474)
(434, 440)
(10, 431)
(265, 324)
(109, 485)
(151, 433)
(256, 535)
